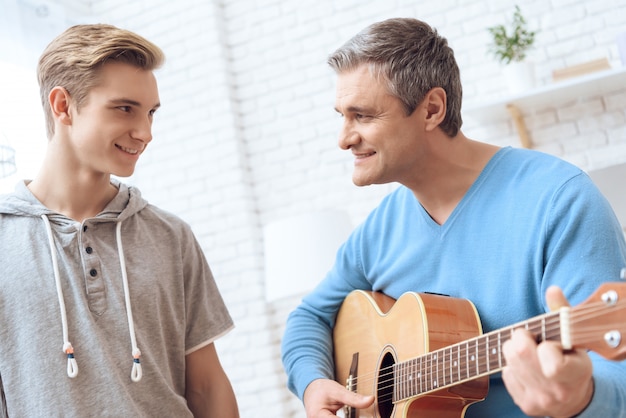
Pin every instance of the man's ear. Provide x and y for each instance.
(59, 100)
(435, 101)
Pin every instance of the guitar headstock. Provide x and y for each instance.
(599, 323)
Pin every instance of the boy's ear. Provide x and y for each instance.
(59, 99)
(435, 101)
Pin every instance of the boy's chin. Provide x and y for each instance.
(123, 173)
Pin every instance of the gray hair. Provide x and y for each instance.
(411, 58)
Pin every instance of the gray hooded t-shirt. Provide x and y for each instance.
(175, 303)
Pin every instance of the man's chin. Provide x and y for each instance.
(360, 182)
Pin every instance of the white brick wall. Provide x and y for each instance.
(247, 134)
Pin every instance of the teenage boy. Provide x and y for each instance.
(107, 304)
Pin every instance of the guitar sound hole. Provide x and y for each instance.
(385, 386)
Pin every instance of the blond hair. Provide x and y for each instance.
(73, 60)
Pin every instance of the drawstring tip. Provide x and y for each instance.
(72, 366)
(137, 372)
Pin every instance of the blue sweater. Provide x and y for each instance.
(529, 221)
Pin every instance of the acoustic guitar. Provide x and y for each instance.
(425, 355)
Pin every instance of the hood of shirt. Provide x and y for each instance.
(125, 204)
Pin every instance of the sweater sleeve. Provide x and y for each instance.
(307, 346)
(609, 398)
(585, 247)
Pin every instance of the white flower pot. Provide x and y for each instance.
(519, 76)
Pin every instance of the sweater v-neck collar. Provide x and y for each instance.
(467, 197)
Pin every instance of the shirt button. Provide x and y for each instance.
(89, 250)
(93, 272)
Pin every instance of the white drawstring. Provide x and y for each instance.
(136, 372)
(72, 366)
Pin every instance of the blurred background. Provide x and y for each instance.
(245, 146)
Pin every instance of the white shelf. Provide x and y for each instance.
(552, 95)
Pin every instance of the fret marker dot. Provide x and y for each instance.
(473, 358)
(493, 351)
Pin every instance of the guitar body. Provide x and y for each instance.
(373, 332)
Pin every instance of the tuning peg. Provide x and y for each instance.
(622, 274)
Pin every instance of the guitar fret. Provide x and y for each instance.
(421, 374)
(410, 378)
(415, 373)
(442, 377)
(433, 374)
(436, 360)
(403, 387)
(451, 363)
(458, 362)
(487, 354)
(449, 368)
(429, 381)
(499, 350)
(472, 361)
(493, 352)
(477, 358)
(467, 363)
(481, 358)
(407, 380)
(406, 388)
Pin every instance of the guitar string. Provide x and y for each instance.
(548, 325)
(534, 327)
(431, 378)
(428, 357)
(444, 369)
(410, 391)
(549, 332)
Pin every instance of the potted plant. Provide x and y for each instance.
(510, 46)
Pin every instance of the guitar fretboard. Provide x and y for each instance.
(465, 361)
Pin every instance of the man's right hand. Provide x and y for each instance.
(324, 397)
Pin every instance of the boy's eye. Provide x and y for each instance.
(124, 108)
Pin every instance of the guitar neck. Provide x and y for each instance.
(467, 360)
